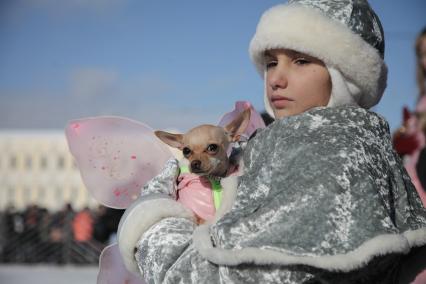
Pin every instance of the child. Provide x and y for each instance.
(421, 62)
(323, 198)
(420, 164)
(409, 140)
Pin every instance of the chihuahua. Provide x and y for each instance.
(205, 147)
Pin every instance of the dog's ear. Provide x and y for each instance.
(237, 127)
(173, 140)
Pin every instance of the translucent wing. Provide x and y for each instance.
(256, 120)
(116, 157)
(112, 270)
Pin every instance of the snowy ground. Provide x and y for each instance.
(43, 274)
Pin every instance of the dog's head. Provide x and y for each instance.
(205, 146)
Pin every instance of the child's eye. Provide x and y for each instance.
(301, 61)
(270, 64)
(186, 152)
(212, 148)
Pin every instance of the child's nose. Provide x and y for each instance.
(277, 78)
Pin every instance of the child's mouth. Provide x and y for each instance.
(280, 102)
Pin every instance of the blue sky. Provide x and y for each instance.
(169, 64)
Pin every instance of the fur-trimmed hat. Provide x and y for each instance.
(345, 34)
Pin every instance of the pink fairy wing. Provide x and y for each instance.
(116, 157)
(112, 269)
(256, 120)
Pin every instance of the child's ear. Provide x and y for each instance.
(173, 140)
(237, 127)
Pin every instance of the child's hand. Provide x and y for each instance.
(200, 220)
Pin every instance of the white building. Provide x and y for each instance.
(36, 167)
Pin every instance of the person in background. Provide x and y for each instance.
(409, 139)
(421, 62)
(82, 226)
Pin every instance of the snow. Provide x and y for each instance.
(44, 274)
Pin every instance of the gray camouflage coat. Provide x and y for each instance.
(323, 199)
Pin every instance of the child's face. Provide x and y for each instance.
(422, 51)
(295, 82)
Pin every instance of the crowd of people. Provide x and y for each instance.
(35, 235)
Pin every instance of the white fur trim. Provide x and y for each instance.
(139, 218)
(266, 102)
(309, 31)
(416, 238)
(340, 91)
(380, 245)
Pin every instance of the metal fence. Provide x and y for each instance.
(35, 235)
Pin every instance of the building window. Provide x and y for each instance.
(28, 163)
(43, 162)
(61, 162)
(13, 162)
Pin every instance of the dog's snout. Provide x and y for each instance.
(196, 165)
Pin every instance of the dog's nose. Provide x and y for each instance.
(196, 165)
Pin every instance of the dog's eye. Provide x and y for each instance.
(186, 151)
(212, 148)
